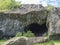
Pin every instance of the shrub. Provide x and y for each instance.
(29, 34)
(19, 34)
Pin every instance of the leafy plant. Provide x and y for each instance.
(29, 34)
(19, 34)
(8, 4)
(49, 7)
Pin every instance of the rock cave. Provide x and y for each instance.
(37, 29)
(33, 17)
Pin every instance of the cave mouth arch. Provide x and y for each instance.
(37, 29)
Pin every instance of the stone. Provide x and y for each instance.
(19, 41)
(14, 21)
(53, 19)
(1, 34)
(38, 39)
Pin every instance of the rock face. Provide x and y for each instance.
(19, 41)
(25, 8)
(16, 20)
(54, 21)
(38, 39)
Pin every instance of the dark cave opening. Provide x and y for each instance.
(37, 29)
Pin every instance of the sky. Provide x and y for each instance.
(55, 3)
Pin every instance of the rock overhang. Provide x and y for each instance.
(26, 8)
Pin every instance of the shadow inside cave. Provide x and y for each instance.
(37, 29)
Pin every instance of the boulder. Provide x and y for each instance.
(53, 20)
(14, 21)
(19, 41)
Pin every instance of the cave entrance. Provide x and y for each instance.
(37, 29)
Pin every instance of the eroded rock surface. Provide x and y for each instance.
(54, 21)
(14, 21)
(19, 41)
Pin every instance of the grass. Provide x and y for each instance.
(52, 42)
(2, 41)
(57, 42)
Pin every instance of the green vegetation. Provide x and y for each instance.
(19, 34)
(29, 34)
(2, 41)
(8, 5)
(51, 42)
(49, 7)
